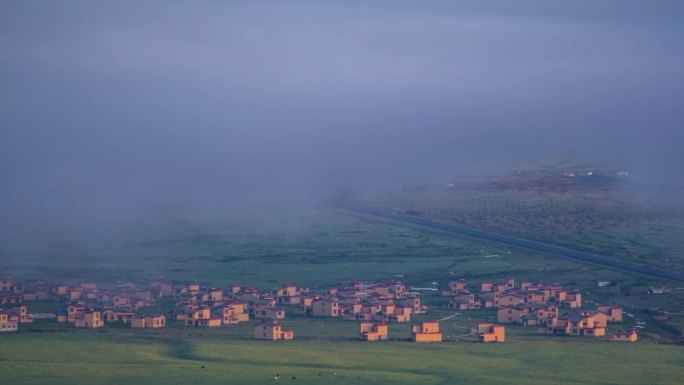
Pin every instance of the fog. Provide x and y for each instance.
(110, 110)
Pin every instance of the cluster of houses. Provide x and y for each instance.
(373, 304)
(90, 306)
(369, 302)
(13, 310)
(428, 331)
(383, 301)
(87, 306)
(536, 304)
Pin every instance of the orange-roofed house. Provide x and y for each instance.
(427, 331)
(373, 331)
(272, 330)
(490, 332)
(624, 336)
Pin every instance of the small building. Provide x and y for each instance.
(658, 290)
(624, 336)
(490, 332)
(149, 321)
(576, 324)
(573, 299)
(6, 283)
(160, 288)
(454, 287)
(373, 331)
(5, 324)
(271, 330)
(202, 317)
(427, 331)
(489, 299)
(60, 290)
(463, 300)
(232, 314)
(509, 299)
(62, 316)
(88, 319)
(325, 307)
(524, 312)
(21, 312)
(614, 312)
(120, 315)
(402, 313)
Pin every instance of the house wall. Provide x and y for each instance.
(427, 337)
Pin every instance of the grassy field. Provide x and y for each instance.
(595, 214)
(318, 246)
(100, 358)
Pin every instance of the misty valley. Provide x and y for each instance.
(354, 192)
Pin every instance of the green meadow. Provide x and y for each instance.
(98, 358)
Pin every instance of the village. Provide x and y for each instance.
(547, 307)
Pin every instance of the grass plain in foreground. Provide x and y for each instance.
(94, 358)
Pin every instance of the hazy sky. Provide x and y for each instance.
(110, 107)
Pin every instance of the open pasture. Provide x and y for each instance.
(98, 358)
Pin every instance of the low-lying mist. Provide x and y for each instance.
(113, 114)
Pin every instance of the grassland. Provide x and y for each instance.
(100, 358)
(318, 246)
(603, 215)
